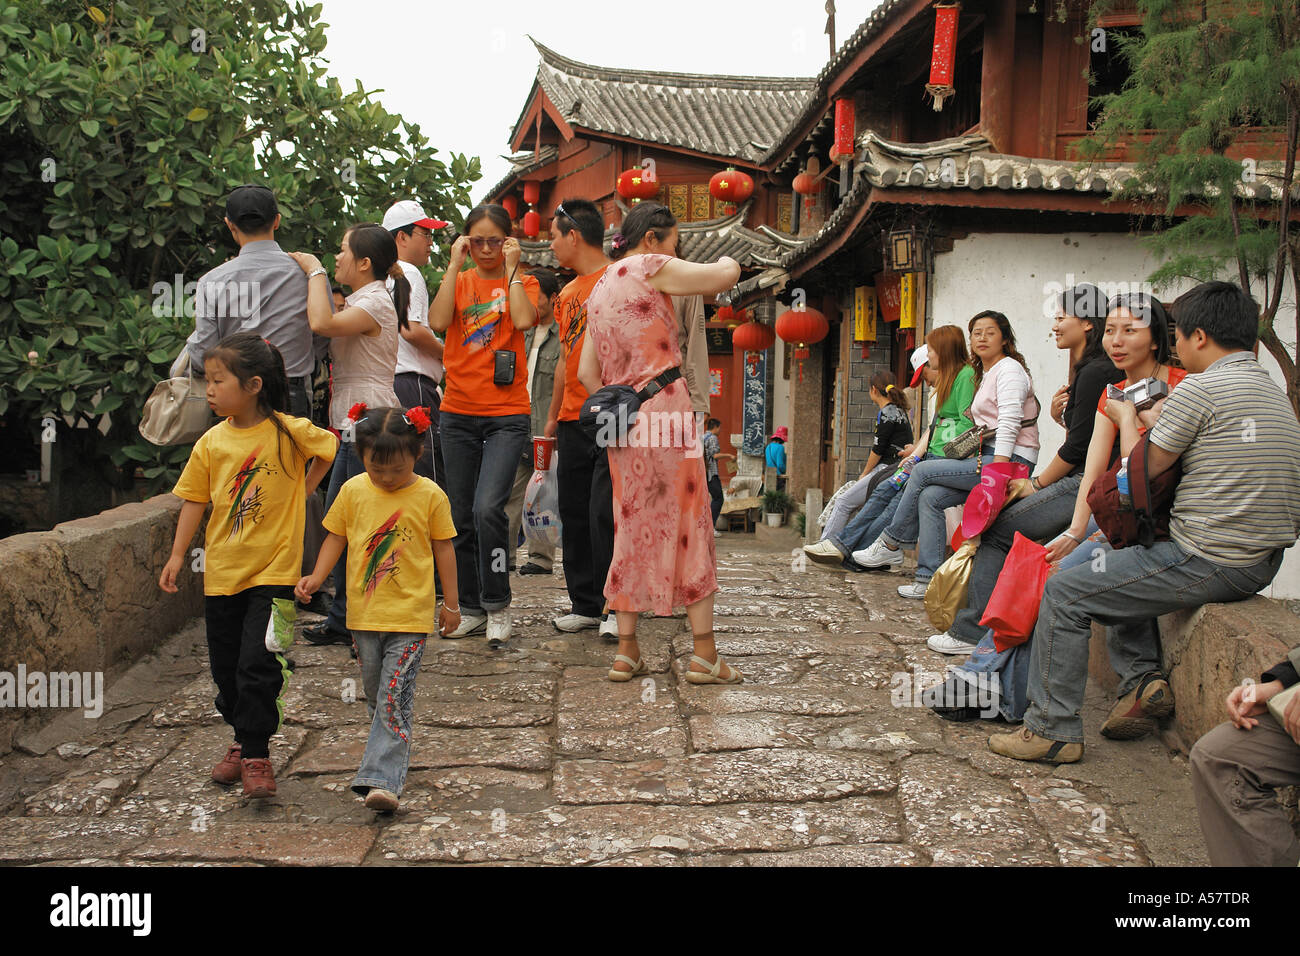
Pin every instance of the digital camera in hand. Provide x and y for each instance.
(1142, 395)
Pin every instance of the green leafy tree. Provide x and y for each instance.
(1208, 79)
(122, 128)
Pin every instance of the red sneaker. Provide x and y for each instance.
(259, 781)
(229, 770)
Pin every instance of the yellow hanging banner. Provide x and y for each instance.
(907, 292)
(864, 314)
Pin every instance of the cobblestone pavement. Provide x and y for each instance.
(529, 755)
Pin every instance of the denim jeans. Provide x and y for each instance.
(390, 662)
(1115, 588)
(935, 484)
(481, 454)
(1041, 516)
(413, 389)
(849, 503)
(870, 521)
(346, 465)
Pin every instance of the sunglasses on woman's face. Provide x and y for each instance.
(493, 243)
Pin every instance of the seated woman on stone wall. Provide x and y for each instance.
(948, 370)
(893, 435)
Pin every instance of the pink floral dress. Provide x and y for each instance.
(664, 555)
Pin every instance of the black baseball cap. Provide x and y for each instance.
(251, 208)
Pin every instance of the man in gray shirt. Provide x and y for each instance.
(1235, 511)
(260, 290)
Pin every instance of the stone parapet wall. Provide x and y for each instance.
(85, 596)
(1207, 651)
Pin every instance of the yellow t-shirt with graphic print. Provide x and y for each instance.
(390, 552)
(255, 480)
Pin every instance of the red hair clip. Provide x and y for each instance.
(357, 411)
(418, 418)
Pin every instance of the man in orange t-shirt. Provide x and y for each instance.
(586, 493)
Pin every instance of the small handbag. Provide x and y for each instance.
(1148, 520)
(947, 591)
(972, 439)
(177, 411)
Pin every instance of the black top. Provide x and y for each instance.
(893, 432)
(1285, 672)
(1081, 408)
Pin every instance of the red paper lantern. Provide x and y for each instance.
(532, 192)
(806, 185)
(633, 184)
(944, 53)
(753, 337)
(511, 205)
(802, 328)
(845, 129)
(731, 186)
(725, 313)
(532, 224)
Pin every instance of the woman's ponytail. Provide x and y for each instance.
(369, 240)
(401, 294)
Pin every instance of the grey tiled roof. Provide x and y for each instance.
(522, 163)
(739, 117)
(704, 241)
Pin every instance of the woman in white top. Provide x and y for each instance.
(363, 345)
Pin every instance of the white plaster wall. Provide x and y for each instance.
(780, 390)
(1022, 275)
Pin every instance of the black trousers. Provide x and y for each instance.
(715, 494)
(586, 517)
(413, 390)
(248, 677)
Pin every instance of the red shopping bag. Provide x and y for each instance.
(1012, 610)
(987, 498)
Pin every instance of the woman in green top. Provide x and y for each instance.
(949, 372)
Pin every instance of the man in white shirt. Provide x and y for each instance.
(419, 352)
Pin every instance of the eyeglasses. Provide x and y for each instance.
(480, 242)
(422, 233)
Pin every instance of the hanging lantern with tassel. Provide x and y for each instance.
(802, 327)
(532, 224)
(511, 205)
(632, 184)
(731, 186)
(944, 54)
(532, 192)
(753, 336)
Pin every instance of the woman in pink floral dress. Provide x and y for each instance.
(663, 539)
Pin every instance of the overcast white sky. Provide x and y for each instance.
(462, 70)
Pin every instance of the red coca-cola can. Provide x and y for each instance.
(543, 449)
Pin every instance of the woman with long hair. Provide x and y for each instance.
(663, 543)
(948, 371)
(485, 408)
(1006, 409)
(363, 346)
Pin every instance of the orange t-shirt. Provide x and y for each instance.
(571, 312)
(479, 327)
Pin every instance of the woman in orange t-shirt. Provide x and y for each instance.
(484, 430)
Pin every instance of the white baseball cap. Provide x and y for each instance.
(408, 212)
(920, 355)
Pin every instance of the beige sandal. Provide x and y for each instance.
(711, 675)
(638, 667)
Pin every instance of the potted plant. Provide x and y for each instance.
(775, 506)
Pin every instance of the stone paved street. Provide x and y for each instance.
(528, 755)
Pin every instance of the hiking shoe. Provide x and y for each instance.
(877, 556)
(572, 623)
(469, 624)
(531, 568)
(381, 800)
(1135, 713)
(498, 627)
(259, 781)
(823, 552)
(1024, 744)
(323, 633)
(229, 770)
(945, 643)
(609, 627)
(915, 591)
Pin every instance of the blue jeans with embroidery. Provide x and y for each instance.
(390, 662)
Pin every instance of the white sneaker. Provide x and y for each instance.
(469, 624)
(914, 591)
(945, 643)
(498, 627)
(609, 627)
(879, 556)
(823, 552)
(717, 533)
(572, 623)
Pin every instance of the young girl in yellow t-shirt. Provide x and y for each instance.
(251, 468)
(396, 526)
